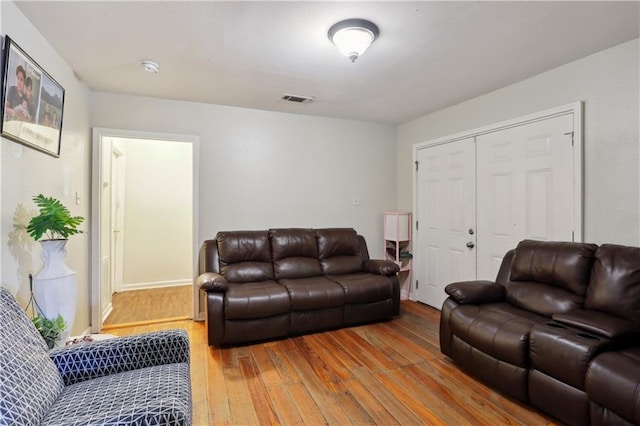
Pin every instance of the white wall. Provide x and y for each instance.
(27, 172)
(260, 169)
(157, 234)
(609, 84)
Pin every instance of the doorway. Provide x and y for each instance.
(479, 193)
(144, 227)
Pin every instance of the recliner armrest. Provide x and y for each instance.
(382, 267)
(84, 361)
(475, 292)
(597, 322)
(211, 281)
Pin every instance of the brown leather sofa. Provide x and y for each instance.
(559, 329)
(267, 284)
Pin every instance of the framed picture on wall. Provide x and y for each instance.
(32, 102)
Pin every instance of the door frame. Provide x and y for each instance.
(96, 179)
(117, 249)
(575, 108)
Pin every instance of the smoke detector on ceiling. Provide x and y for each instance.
(297, 98)
(150, 66)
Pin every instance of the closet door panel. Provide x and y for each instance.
(445, 213)
(524, 188)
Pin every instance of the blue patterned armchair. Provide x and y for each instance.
(135, 380)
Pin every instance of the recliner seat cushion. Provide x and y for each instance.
(498, 330)
(615, 282)
(364, 287)
(295, 253)
(118, 399)
(245, 256)
(612, 382)
(256, 300)
(313, 293)
(339, 251)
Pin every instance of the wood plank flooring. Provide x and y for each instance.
(150, 305)
(389, 373)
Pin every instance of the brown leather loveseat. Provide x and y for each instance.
(558, 329)
(267, 284)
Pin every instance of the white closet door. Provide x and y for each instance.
(446, 214)
(525, 188)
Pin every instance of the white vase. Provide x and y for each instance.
(54, 287)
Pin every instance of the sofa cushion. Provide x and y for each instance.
(541, 298)
(339, 251)
(364, 287)
(615, 282)
(313, 293)
(245, 256)
(118, 399)
(498, 330)
(559, 264)
(30, 381)
(295, 253)
(256, 300)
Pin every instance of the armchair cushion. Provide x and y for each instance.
(475, 292)
(30, 382)
(159, 395)
(77, 363)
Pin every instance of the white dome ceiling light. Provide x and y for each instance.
(353, 36)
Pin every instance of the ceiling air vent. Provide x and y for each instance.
(297, 98)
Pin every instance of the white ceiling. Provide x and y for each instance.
(429, 55)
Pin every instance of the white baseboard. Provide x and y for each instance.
(107, 312)
(86, 331)
(155, 284)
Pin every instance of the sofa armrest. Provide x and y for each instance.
(85, 361)
(382, 267)
(601, 323)
(211, 281)
(475, 292)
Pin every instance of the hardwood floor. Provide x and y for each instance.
(389, 373)
(150, 305)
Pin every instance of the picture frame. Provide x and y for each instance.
(32, 102)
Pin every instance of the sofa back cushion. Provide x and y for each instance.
(339, 251)
(30, 380)
(245, 256)
(549, 277)
(615, 282)
(295, 253)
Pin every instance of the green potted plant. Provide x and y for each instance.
(49, 329)
(54, 220)
(55, 285)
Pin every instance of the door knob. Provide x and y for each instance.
(471, 231)
(470, 244)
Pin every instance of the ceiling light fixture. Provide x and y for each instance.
(353, 36)
(150, 66)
